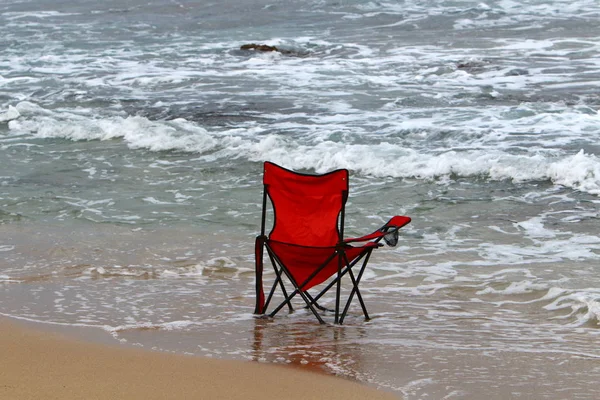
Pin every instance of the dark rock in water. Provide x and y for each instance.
(472, 65)
(517, 72)
(259, 47)
(266, 48)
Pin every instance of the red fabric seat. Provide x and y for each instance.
(306, 243)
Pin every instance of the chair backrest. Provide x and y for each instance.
(307, 207)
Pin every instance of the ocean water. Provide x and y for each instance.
(132, 137)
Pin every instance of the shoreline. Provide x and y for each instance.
(39, 363)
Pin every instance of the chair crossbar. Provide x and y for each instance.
(344, 267)
(345, 270)
(355, 289)
(277, 280)
(276, 261)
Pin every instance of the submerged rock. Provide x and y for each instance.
(258, 47)
(266, 48)
(517, 72)
(473, 66)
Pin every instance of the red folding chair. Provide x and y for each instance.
(306, 244)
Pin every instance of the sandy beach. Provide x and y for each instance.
(37, 364)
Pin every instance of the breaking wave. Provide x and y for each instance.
(388, 156)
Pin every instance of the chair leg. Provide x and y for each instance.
(284, 291)
(277, 280)
(320, 307)
(339, 287)
(296, 291)
(333, 282)
(308, 302)
(272, 292)
(287, 301)
(355, 290)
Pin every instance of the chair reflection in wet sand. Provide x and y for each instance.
(309, 346)
(306, 245)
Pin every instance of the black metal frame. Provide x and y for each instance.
(344, 267)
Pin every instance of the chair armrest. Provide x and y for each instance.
(390, 229)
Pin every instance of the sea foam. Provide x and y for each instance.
(386, 156)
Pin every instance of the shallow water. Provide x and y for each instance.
(132, 137)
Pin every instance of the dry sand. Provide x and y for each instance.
(42, 366)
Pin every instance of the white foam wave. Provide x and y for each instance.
(137, 132)
(513, 288)
(584, 306)
(10, 114)
(387, 156)
(12, 15)
(7, 279)
(554, 246)
(117, 271)
(534, 227)
(580, 171)
(219, 267)
(169, 326)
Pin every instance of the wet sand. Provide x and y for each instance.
(36, 364)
